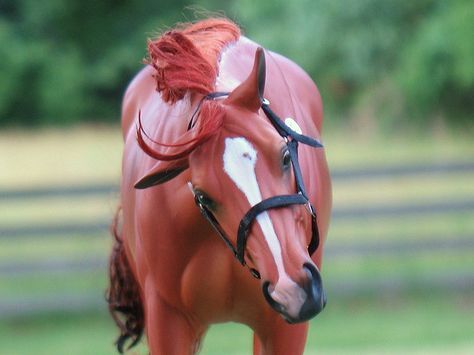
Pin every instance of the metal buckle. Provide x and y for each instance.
(309, 208)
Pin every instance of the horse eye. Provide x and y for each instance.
(205, 200)
(286, 159)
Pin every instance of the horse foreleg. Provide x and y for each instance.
(280, 338)
(169, 332)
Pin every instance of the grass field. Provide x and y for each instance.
(415, 318)
(416, 324)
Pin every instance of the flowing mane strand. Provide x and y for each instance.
(186, 58)
(211, 117)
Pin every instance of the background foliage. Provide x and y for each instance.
(387, 61)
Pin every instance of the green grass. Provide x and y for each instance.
(48, 210)
(408, 268)
(424, 321)
(427, 189)
(406, 189)
(93, 154)
(346, 148)
(386, 229)
(58, 334)
(56, 283)
(396, 324)
(60, 157)
(39, 248)
(440, 323)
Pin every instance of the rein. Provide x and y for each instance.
(300, 198)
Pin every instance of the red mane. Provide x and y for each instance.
(211, 117)
(186, 59)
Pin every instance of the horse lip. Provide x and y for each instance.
(278, 307)
(314, 289)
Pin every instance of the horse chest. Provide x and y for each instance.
(209, 283)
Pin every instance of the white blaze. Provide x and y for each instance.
(239, 163)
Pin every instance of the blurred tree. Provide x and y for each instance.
(351, 48)
(436, 70)
(63, 61)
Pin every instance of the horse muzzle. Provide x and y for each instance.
(312, 305)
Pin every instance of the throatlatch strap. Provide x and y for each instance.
(215, 224)
(293, 150)
(314, 244)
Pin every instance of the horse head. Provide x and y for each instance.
(246, 180)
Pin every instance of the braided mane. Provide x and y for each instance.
(186, 59)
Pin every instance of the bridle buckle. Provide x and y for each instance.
(310, 208)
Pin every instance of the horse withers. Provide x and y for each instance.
(225, 195)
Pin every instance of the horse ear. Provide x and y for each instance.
(161, 172)
(249, 94)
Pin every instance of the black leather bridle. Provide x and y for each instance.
(300, 198)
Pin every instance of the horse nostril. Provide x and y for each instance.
(274, 304)
(313, 287)
(255, 273)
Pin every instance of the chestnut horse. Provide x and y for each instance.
(214, 185)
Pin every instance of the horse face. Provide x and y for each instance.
(246, 163)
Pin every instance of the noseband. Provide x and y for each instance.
(300, 198)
